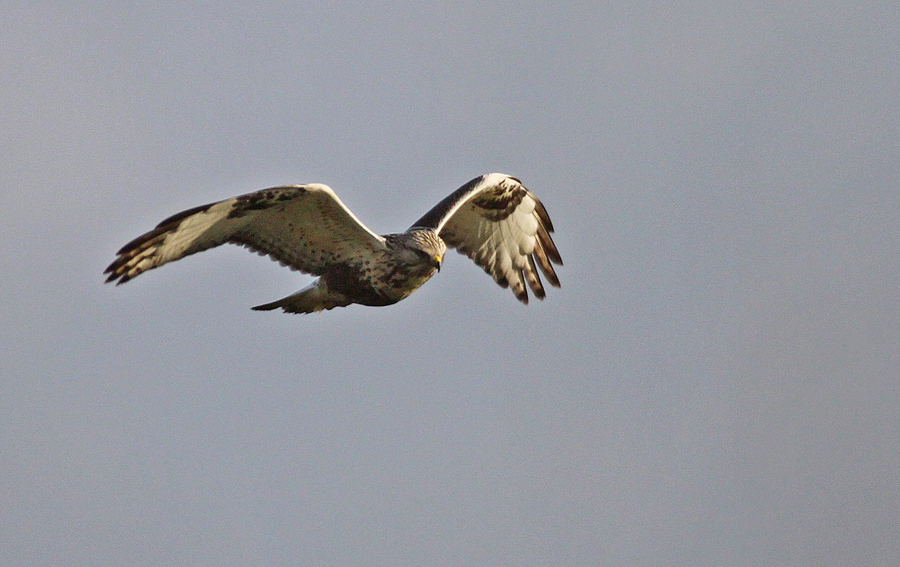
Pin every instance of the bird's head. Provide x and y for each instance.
(426, 245)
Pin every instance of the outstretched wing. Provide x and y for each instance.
(305, 227)
(500, 225)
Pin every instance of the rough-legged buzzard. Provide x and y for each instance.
(492, 219)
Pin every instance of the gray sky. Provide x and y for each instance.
(714, 384)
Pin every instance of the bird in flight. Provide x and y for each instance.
(492, 219)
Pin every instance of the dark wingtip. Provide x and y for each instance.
(117, 277)
(542, 214)
(112, 277)
(522, 295)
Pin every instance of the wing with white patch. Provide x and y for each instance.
(305, 227)
(503, 227)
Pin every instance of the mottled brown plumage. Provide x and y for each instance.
(492, 219)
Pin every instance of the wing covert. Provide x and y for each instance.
(305, 227)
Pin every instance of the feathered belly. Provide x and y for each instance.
(404, 280)
(368, 287)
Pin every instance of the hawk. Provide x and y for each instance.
(492, 219)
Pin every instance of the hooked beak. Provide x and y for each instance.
(437, 262)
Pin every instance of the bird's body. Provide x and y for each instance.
(400, 271)
(493, 219)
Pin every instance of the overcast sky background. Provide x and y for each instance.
(716, 382)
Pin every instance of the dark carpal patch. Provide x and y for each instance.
(499, 198)
(498, 204)
(262, 200)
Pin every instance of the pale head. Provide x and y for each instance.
(420, 246)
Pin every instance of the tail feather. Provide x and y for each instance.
(314, 297)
